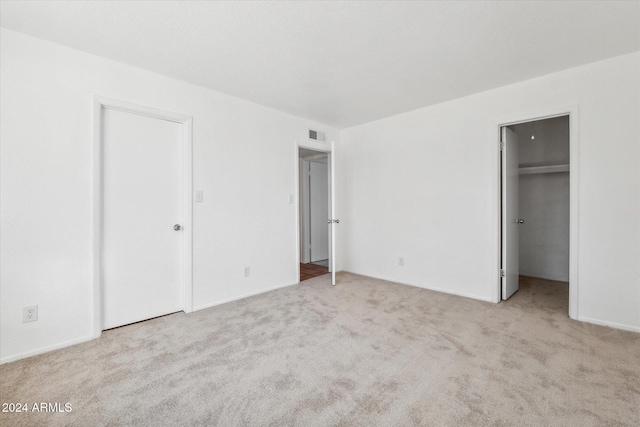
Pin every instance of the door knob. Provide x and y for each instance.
(337, 221)
(177, 227)
(328, 221)
(520, 221)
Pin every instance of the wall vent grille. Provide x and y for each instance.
(315, 135)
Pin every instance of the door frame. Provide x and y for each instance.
(573, 113)
(325, 149)
(99, 103)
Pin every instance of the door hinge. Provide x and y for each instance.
(501, 145)
(501, 273)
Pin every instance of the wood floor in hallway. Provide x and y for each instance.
(309, 271)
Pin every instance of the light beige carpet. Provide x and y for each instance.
(363, 353)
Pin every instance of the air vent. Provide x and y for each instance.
(314, 134)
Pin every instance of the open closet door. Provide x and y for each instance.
(510, 213)
(333, 222)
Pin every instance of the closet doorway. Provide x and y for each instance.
(315, 214)
(536, 211)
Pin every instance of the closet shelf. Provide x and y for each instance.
(528, 170)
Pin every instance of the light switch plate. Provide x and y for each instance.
(199, 196)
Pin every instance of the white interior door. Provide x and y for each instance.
(142, 252)
(318, 210)
(510, 213)
(334, 222)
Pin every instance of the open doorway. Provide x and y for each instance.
(314, 213)
(536, 215)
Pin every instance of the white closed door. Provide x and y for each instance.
(319, 210)
(142, 193)
(510, 213)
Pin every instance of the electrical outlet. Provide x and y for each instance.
(247, 271)
(401, 261)
(30, 313)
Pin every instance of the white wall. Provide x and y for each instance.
(424, 185)
(420, 185)
(544, 236)
(544, 199)
(243, 160)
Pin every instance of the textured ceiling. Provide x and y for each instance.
(339, 63)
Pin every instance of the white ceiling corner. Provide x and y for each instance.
(339, 63)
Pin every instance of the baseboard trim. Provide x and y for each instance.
(579, 318)
(239, 297)
(609, 324)
(47, 349)
(69, 343)
(429, 288)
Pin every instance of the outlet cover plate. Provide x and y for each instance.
(29, 314)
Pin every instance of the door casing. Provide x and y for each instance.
(573, 113)
(322, 148)
(99, 103)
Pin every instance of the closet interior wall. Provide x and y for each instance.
(544, 198)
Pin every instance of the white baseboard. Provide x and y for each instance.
(609, 324)
(46, 349)
(430, 288)
(580, 318)
(69, 343)
(224, 301)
